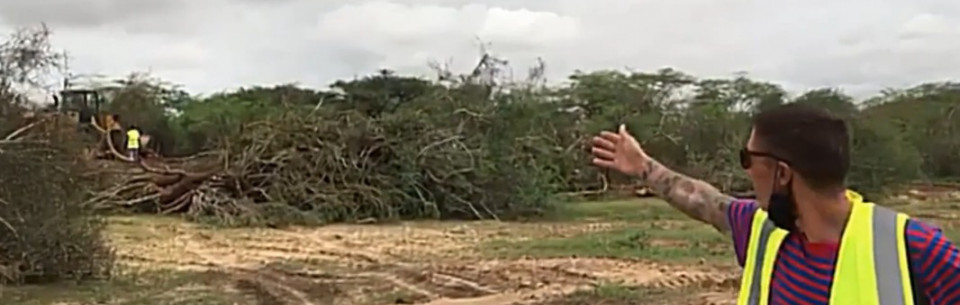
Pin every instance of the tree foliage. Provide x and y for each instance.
(45, 235)
(477, 146)
(391, 146)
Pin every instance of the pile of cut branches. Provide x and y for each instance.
(323, 166)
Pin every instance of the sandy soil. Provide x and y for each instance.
(424, 262)
(416, 263)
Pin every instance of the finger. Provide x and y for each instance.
(609, 136)
(602, 153)
(624, 134)
(604, 143)
(602, 163)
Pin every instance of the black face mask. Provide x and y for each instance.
(783, 207)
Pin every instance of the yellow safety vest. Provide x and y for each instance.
(133, 139)
(871, 267)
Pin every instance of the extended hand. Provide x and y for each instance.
(698, 199)
(619, 151)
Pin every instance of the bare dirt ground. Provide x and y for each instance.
(415, 263)
(630, 252)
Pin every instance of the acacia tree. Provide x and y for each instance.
(26, 56)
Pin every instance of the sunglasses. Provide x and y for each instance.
(745, 157)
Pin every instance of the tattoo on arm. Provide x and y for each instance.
(693, 197)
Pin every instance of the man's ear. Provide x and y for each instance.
(785, 172)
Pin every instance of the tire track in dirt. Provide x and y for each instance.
(438, 278)
(246, 259)
(263, 287)
(322, 257)
(555, 278)
(271, 291)
(403, 269)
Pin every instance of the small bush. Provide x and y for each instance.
(45, 235)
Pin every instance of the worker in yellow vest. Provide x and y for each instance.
(806, 239)
(133, 143)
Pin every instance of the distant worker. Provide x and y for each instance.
(806, 239)
(133, 143)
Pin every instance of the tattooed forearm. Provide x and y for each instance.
(693, 197)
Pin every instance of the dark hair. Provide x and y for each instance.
(815, 143)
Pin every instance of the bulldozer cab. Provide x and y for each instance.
(84, 104)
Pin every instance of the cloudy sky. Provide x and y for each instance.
(213, 45)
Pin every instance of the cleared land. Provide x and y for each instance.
(614, 252)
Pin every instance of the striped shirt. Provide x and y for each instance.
(803, 271)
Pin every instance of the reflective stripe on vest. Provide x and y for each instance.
(871, 266)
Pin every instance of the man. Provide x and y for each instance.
(806, 239)
(133, 143)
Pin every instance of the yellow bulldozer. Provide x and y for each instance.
(84, 106)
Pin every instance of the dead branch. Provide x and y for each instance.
(341, 165)
(105, 136)
(4, 221)
(21, 130)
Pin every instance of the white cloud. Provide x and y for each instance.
(213, 45)
(406, 36)
(528, 28)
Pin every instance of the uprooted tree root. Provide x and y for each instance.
(165, 189)
(171, 190)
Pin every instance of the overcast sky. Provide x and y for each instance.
(213, 45)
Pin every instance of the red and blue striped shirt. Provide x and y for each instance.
(803, 271)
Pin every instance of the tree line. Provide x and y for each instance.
(694, 125)
(461, 145)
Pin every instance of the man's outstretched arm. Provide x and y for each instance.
(693, 197)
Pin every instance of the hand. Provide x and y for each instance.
(619, 152)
